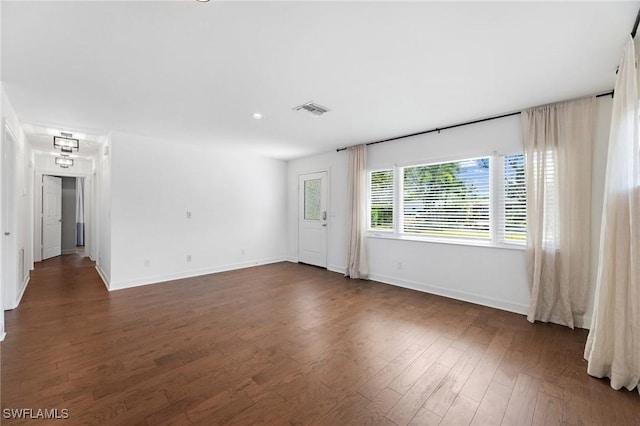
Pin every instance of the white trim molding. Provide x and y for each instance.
(156, 279)
(25, 283)
(103, 276)
(337, 268)
(453, 294)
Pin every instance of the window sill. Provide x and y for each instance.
(460, 242)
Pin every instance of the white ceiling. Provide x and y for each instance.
(196, 72)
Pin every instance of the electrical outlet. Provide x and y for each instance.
(188, 215)
(147, 263)
(188, 258)
(241, 251)
(399, 265)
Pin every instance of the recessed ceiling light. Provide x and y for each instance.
(257, 115)
(202, 1)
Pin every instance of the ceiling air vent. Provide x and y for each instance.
(313, 108)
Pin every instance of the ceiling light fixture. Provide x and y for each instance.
(202, 1)
(257, 116)
(66, 144)
(64, 162)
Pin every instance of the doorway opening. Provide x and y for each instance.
(64, 210)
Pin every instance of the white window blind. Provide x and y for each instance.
(381, 199)
(514, 219)
(447, 199)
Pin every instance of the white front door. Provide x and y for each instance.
(51, 217)
(312, 218)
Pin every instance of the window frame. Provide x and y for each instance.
(403, 231)
(394, 221)
(501, 227)
(496, 205)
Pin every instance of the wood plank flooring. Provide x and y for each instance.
(289, 344)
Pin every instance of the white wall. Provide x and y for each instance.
(336, 164)
(46, 164)
(490, 276)
(237, 204)
(101, 201)
(19, 255)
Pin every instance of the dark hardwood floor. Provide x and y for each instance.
(288, 343)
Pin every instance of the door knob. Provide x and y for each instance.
(324, 224)
(7, 233)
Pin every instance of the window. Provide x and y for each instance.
(312, 199)
(447, 199)
(381, 200)
(478, 199)
(515, 200)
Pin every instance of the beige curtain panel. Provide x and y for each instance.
(613, 345)
(558, 142)
(357, 266)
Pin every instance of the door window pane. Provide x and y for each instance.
(312, 199)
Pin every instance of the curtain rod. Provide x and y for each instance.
(635, 26)
(438, 129)
(466, 123)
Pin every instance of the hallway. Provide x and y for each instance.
(54, 314)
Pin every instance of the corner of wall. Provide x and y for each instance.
(103, 276)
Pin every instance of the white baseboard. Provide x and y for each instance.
(453, 294)
(103, 276)
(120, 285)
(333, 268)
(337, 268)
(69, 251)
(24, 287)
(2, 336)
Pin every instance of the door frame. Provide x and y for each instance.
(329, 215)
(9, 245)
(37, 216)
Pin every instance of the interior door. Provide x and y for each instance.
(51, 217)
(312, 219)
(9, 251)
